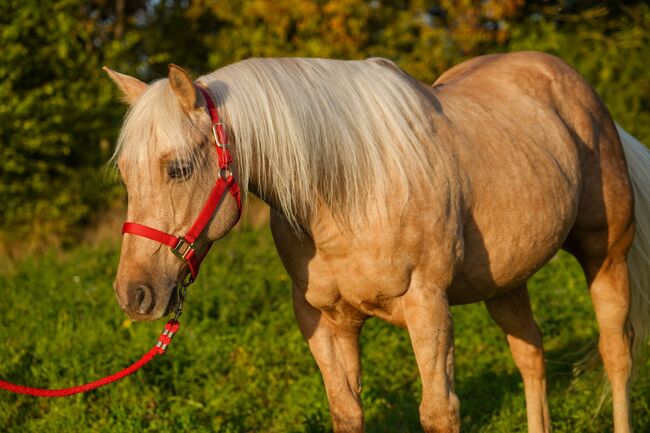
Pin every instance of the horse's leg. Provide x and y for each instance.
(602, 255)
(600, 238)
(335, 347)
(513, 314)
(610, 294)
(429, 323)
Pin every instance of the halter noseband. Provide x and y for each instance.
(186, 248)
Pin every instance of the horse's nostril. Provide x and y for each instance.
(141, 300)
(139, 295)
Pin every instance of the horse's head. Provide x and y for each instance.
(167, 159)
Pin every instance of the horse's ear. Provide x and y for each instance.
(183, 87)
(131, 87)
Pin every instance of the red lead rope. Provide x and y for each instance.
(165, 338)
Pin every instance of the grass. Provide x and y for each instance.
(239, 363)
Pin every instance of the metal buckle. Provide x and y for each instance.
(182, 248)
(216, 134)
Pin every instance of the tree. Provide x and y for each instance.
(59, 114)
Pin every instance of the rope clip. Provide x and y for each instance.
(181, 293)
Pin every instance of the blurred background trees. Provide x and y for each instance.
(59, 114)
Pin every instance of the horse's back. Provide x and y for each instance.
(527, 83)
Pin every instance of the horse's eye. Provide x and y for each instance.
(179, 170)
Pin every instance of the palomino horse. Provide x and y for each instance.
(394, 199)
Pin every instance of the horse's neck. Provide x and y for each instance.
(346, 187)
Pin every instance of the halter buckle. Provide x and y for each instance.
(215, 133)
(182, 248)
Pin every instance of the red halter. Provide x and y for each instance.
(186, 247)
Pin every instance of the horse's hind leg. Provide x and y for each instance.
(600, 238)
(610, 293)
(513, 314)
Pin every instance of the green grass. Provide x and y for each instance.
(239, 363)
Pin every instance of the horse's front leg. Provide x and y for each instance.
(335, 346)
(429, 323)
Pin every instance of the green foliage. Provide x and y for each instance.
(53, 109)
(59, 114)
(239, 362)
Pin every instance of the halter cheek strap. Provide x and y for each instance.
(186, 247)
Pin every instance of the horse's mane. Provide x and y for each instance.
(312, 131)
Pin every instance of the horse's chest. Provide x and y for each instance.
(369, 284)
(335, 273)
(367, 276)
(369, 268)
(371, 273)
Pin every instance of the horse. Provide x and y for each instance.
(394, 199)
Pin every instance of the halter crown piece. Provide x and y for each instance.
(190, 248)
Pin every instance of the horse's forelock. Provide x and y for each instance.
(156, 117)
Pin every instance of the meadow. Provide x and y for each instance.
(240, 364)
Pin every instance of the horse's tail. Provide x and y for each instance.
(638, 258)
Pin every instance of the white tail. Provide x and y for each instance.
(638, 259)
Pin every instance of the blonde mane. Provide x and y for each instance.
(306, 132)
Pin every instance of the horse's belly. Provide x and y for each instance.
(486, 275)
(513, 236)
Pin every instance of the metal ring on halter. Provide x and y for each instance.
(215, 126)
(225, 173)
